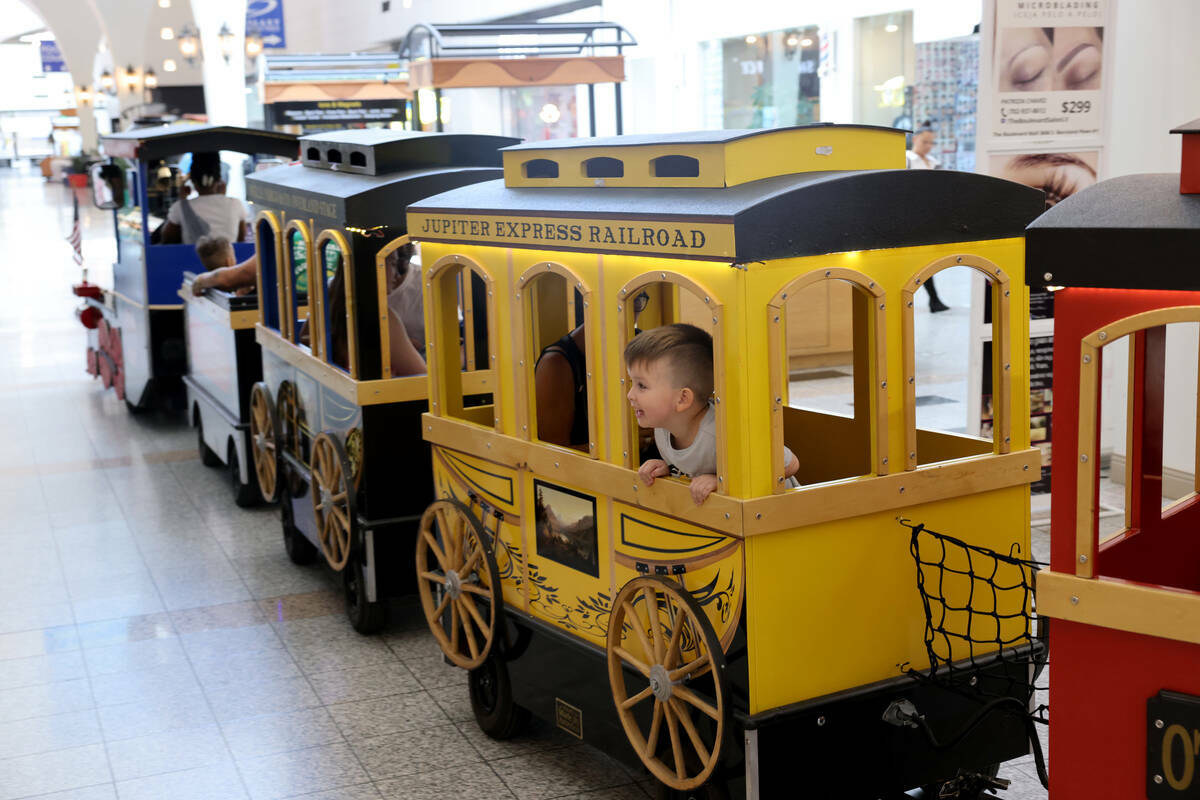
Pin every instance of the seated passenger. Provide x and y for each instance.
(230, 279)
(405, 300)
(215, 252)
(210, 213)
(405, 359)
(671, 380)
(560, 385)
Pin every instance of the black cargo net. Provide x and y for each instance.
(982, 633)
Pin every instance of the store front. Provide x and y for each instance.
(763, 80)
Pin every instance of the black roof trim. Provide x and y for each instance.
(1188, 127)
(685, 137)
(1131, 232)
(790, 215)
(168, 140)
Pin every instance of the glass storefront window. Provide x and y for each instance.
(766, 80)
(883, 71)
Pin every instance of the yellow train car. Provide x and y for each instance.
(715, 642)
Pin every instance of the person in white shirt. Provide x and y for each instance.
(210, 212)
(919, 158)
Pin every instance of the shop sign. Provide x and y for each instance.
(265, 17)
(52, 57)
(1049, 70)
(679, 239)
(338, 112)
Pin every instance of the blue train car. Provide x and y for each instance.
(137, 343)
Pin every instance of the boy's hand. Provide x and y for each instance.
(702, 486)
(198, 285)
(654, 468)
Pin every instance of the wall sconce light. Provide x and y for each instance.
(226, 36)
(167, 34)
(169, 65)
(131, 79)
(254, 46)
(164, 3)
(106, 81)
(189, 43)
(150, 79)
(83, 95)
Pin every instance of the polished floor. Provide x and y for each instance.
(155, 641)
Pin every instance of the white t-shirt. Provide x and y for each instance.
(407, 303)
(221, 212)
(916, 162)
(700, 457)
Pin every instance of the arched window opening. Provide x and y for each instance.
(828, 356)
(540, 168)
(340, 345)
(333, 156)
(358, 159)
(943, 357)
(297, 246)
(1143, 464)
(561, 397)
(666, 299)
(464, 342)
(675, 167)
(266, 240)
(313, 154)
(603, 167)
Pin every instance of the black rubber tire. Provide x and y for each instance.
(492, 700)
(246, 495)
(299, 549)
(365, 617)
(207, 456)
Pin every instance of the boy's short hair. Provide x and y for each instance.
(688, 349)
(213, 251)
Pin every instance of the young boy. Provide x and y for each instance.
(215, 252)
(671, 380)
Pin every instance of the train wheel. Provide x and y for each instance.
(264, 440)
(365, 617)
(246, 494)
(459, 582)
(333, 503)
(299, 549)
(670, 645)
(207, 457)
(492, 700)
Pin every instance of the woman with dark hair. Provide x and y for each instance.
(210, 212)
(405, 359)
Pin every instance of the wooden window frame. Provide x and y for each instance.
(447, 384)
(314, 300)
(1001, 288)
(1091, 348)
(385, 336)
(339, 240)
(629, 427)
(272, 220)
(777, 352)
(523, 310)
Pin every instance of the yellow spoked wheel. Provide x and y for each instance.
(333, 504)
(459, 582)
(264, 440)
(662, 650)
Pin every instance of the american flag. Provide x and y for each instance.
(76, 237)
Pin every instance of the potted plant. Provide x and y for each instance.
(77, 175)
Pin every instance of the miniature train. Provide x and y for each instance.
(713, 643)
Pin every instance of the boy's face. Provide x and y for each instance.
(653, 394)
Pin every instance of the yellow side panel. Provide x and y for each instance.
(708, 564)
(458, 476)
(835, 606)
(812, 150)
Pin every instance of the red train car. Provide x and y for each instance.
(1125, 697)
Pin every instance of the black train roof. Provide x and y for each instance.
(423, 164)
(184, 137)
(789, 215)
(1132, 232)
(376, 151)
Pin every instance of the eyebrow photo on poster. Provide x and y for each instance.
(1059, 175)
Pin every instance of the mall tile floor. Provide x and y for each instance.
(155, 641)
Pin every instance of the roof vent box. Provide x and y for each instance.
(375, 151)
